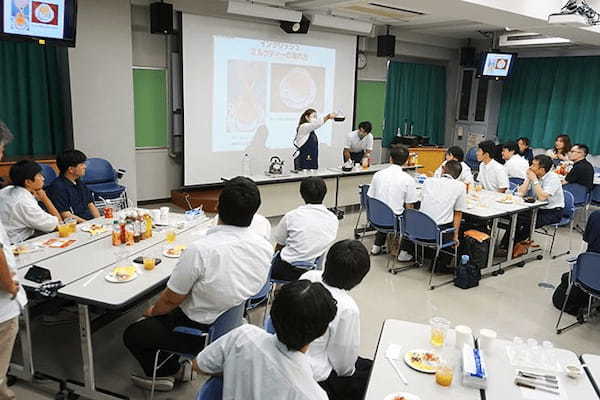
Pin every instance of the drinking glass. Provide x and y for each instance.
(171, 236)
(64, 230)
(149, 263)
(439, 330)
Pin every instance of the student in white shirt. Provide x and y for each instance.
(304, 234)
(261, 225)
(359, 143)
(12, 296)
(515, 165)
(396, 189)
(457, 154)
(334, 356)
(492, 174)
(546, 186)
(306, 140)
(20, 212)
(256, 365)
(219, 271)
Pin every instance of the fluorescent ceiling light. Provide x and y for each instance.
(260, 11)
(345, 24)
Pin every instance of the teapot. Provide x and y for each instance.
(276, 166)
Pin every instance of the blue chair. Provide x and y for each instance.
(568, 218)
(49, 174)
(212, 389)
(595, 196)
(382, 218)
(362, 193)
(584, 275)
(516, 181)
(268, 326)
(422, 230)
(260, 298)
(513, 187)
(471, 159)
(226, 322)
(101, 178)
(582, 197)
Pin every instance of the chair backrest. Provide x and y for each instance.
(49, 174)
(212, 389)
(569, 210)
(98, 170)
(363, 190)
(596, 194)
(419, 226)
(226, 322)
(586, 272)
(579, 192)
(380, 214)
(471, 158)
(516, 181)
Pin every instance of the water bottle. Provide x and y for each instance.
(464, 260)
(246, 171)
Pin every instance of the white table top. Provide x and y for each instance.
(592, 364)
(384, 379)
(95, 289)
(502, 374)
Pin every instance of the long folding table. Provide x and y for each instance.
(591, 364)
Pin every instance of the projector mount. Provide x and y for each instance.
(582, 8)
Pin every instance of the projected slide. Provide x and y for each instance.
(35, 18)
(261, 88)
(497, 64)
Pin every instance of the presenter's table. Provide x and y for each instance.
(591, 364)
(83, 272)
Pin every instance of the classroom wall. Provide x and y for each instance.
(102, 85)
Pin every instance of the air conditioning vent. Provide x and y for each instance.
(531, 39)
(381, 10)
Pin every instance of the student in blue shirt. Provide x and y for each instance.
(70, 196)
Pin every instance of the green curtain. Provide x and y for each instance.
(35, 98)
(550, 96)
(417, 93)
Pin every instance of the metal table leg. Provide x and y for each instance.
(490, 260)
(25, 371)
(511, 244)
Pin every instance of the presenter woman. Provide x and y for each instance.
(306, 141)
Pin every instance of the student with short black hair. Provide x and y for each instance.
(257, 365)
(224, 268)
(514, 165)
(359, 143)
(524, 149)
(69, 194)
(582, 171)
(492, 174)
(334, 356)
(396, 189)
(20, 212)
(456, 153)
(305, 233)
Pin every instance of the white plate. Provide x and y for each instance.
(45, 18)
(171, 255)
(88, 227)
(415, 367)
(407, 396)
(111, 278)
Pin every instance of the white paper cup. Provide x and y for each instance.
(487, 337)
(155, 216)
(164, 215)
(464, 335)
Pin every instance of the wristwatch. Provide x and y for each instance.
(536, 183)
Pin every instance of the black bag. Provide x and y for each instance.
(476, 250)
(578, 299)
(467, 276)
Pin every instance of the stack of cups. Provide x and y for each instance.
(486, 340)
(164, 215)
(464, 335)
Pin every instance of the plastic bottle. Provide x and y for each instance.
(142, 225)
(129, 233)
(464, 260)
(148, 220)
(116, 233)
(246, 170)
(136, 228)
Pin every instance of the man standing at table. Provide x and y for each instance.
(12, 296)
(223, 269)
(70, 196)
(359, 143)
(492, 174)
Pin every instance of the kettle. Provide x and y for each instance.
(276, 166)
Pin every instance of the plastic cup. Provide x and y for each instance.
(444, 374)
(149, 263)
(439, 330)
(72, 223)
(64, 230)
(171, 236)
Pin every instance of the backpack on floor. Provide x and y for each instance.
(467, 275)
(476, 245)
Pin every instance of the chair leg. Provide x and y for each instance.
(154, 374)
(562, 311)
(437, 253)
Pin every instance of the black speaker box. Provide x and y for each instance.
(467, 57)
(161, 18)
(386, 46)
(302, 26)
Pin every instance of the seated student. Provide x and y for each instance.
(359, 143)
(395, 188)
(305, 233)
(334, 356)
(227, 266)
(256, 365)
(515, 165)
(457, 154)
(71, 197)
(546, 187)
(560, 151)
(445, 198)
(582, 172)
(20, 212)
(491, 173)
(524, 149)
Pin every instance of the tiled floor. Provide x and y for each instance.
(512, 304)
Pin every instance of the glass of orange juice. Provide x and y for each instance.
(72, 223)
(171, 236)
(444, 374)
(64, 230)
(439, 329)
(149, 263)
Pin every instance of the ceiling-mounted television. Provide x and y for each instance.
(496, 65)
(45, 21)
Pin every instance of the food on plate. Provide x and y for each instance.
(399, 398)
(423, 361)
(506, 199)
(176, 251)
(20, 249)
(124, 273)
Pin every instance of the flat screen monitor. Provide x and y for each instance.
(496, 65)
(45, 21)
